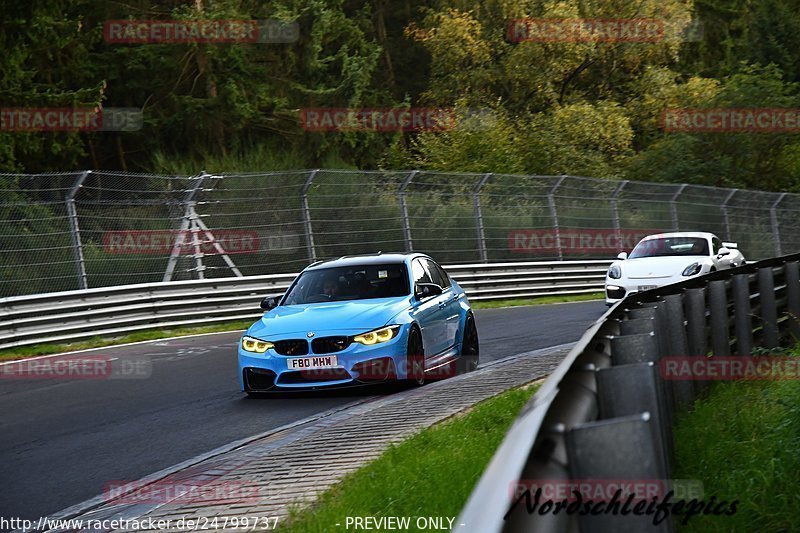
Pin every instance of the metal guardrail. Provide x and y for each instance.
(109, 311)
(607, 411)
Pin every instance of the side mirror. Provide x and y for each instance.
(723, 251)
(270, 302)
(622, 256)
(426, 290)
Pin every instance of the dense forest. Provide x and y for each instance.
(581, 107)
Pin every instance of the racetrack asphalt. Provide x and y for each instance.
(62, 441)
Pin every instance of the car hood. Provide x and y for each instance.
(350, 316)
(657, 267)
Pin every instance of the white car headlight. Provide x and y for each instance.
(251, 344)
(692, 269)
(377, 336)
(615, 272)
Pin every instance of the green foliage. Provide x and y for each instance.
(590, 108)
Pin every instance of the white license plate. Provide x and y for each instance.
(312, 363)
(647, 287)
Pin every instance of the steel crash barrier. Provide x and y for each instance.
(109, 311)
(607, 411)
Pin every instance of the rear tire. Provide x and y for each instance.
(415, 359)
(470, 347)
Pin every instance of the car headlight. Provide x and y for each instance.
(377, 336)
(692, 269)
(615, 272)
(251, 344)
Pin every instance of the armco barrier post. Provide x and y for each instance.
(627, 390)
(792, 274)
(75, 232)
(643, 348)
(623, 449)
(718, 304)
(769, 313)
(740, 286)
(695, 302)
(682, 390)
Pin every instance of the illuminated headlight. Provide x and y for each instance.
(692, 269)
(615, 272)
(377, 336)
(250, 344)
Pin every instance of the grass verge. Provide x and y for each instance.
(100, 342)
(430, 474)
(543, 300)
(742, 442)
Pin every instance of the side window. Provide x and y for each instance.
(716, 245)
(438, 274)
(419, 272)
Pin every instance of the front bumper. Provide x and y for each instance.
(617, 289)
(356, 365)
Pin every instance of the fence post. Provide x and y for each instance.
(615, 212)
(724, 208)
(401, 197)
(75, 232)
(312, 254)
(476, 204)
(776, 231)
(551, 202)
(673, 206)
(189, 216)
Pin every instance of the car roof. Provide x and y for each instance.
(365, 259)
(700, 234)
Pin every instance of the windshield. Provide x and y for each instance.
(668, 246)
(360, 282)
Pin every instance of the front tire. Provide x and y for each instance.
(415, 359)
(470, 347)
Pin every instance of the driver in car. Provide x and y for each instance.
(331, 287)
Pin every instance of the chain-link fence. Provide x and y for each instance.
(75, 230)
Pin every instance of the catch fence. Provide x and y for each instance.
(87, 229)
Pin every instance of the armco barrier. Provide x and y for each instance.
(606, 412)
(107, 311)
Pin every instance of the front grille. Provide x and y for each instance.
(258, 379)
(330, 344)
(307, 376)
(291, 347)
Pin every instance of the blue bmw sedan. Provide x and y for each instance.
(361, 320)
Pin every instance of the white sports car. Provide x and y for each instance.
(668, 258)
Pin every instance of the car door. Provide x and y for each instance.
(428, 313)
(449, 302)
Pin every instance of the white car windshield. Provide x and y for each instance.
(669, 246)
